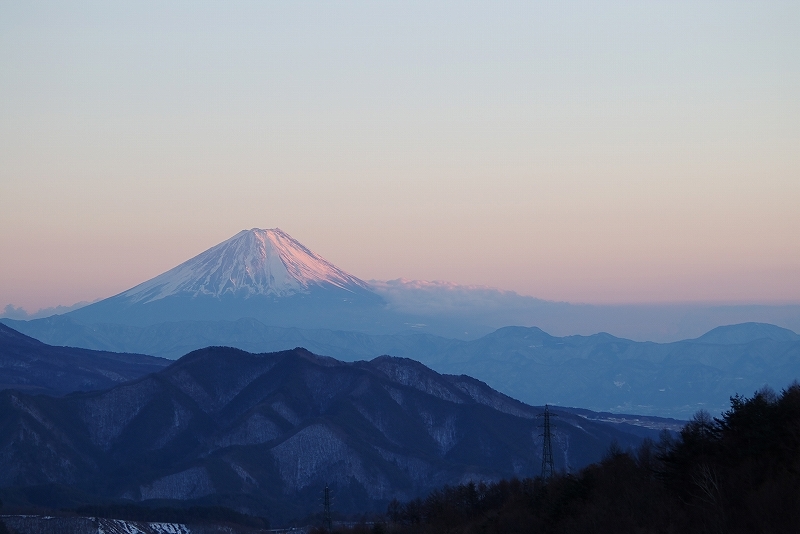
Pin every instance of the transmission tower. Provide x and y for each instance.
(326, 514)
(547, 446)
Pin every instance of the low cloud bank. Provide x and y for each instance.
(489, 308)
(19, 313)
(420, 296)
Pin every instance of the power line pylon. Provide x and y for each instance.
(326, 514)
(548, 468)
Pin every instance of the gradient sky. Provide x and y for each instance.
(579, 151)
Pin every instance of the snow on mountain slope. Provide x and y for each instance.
(253, 262)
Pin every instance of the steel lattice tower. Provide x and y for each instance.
(326, 514)
(547, 446)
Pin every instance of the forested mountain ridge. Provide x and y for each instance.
(739, 473)
(264, 432)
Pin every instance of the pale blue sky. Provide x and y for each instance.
(580, 151)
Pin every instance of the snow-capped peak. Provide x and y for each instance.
(253, 262)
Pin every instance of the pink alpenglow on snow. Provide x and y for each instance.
(253, 262)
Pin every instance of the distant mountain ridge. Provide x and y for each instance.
(599, 372)
(263, 433)
(746, 333)
(605, 373)
(27, 364)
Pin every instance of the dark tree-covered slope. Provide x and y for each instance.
(738, 473)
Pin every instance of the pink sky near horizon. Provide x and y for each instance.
(614, 153)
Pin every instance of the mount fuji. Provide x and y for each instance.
(253, 262)
(261, 274)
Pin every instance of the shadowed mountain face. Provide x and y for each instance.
(32, 366)
(264, 432)
(599, 372)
